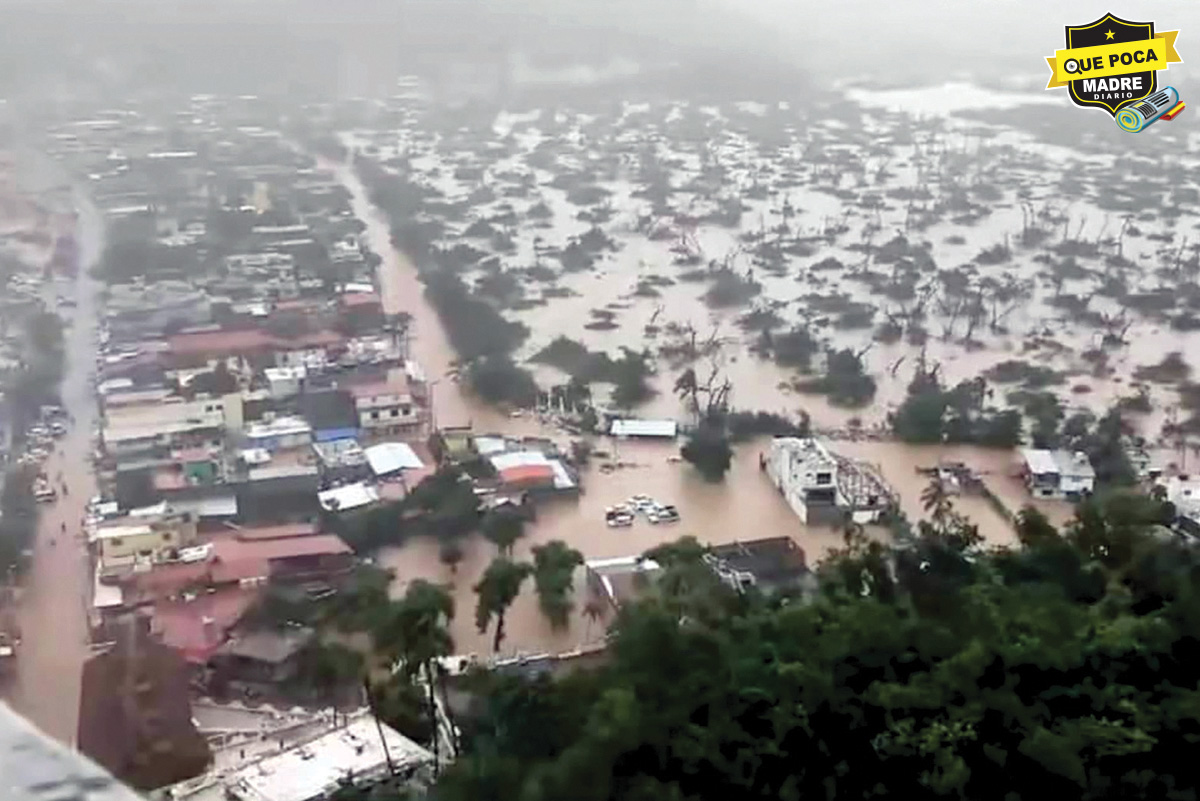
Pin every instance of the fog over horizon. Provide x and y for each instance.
(54, 48)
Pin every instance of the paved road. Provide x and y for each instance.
(53, 610)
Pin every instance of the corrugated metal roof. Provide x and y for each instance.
(504, 461)
(388, 457)
(644, 428)
(349, 497)
(1040, 462)
(527, 472)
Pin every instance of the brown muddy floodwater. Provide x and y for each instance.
(53, 607)
(744, 506)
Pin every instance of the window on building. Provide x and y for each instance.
(166, 537)
(374, 415)
(394, 413)
(406, 410)
(115, 541)
(824, 478)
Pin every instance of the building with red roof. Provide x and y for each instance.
(197, 626)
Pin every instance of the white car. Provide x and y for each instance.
(618, 517)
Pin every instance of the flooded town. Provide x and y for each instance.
(292, 380)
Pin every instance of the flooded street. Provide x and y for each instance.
(744, 506)
(53, 606)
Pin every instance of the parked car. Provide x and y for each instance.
(618, 517)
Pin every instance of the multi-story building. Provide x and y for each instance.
(386, 407)
(132, 543)
(1063, 475)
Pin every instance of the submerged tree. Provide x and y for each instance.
(416, 637)
(932, 671)
(554, 567)
(497, 589)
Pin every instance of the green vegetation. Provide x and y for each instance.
(708, 450)
(931, 414)
(18, 517)
(629, 374)
(443, 505)
(747, 425)
(845, 382)
(1030, 376)
(795, 348)
(554, 567)
(1059, 669)
(498, 380)
(497, 589)
(35, 382)
(474, 327)
(414, 637)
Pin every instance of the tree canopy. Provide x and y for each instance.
(1060, 669)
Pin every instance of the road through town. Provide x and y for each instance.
(57, 589)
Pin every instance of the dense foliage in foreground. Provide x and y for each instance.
(1063, 669)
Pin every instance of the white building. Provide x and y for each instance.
(129, 428)
(279, 433)
(805, 472)
(1058, 474)
(284, 382)
(306, 769)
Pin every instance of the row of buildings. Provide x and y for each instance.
(251, 388)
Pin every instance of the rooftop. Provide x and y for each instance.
(279, 427)
(314, 768)
(772, 562)
(644, 428)
(388, 457)
(273, 647)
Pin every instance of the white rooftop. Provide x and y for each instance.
(503, 461)
(285, 373)
(351, 496)
(388, 457)
(486, 446)
(255, 456)
(644, 428)
(279, 427)
(310, 770)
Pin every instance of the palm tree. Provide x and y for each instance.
(329, 668)
(936, 501)
(497, 589)
(553, 574)
(593, 611)
(415, 635)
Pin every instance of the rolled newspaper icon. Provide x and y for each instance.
(1141, 114)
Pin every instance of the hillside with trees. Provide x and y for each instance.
(1064, 668)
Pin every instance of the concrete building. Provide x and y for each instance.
(823, 488)
(284, 382)
(771, 564)
(279, 433)
(131, 543)
(1063, 475)
(613, 582)
(312, 768)
(129, 428)
(806, 473)
(1183, 491)
(385, 408)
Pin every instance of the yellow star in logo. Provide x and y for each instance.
(1108, 34)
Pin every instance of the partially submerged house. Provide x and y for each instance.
(823, 488)
(772, 564)
(1063, 475)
